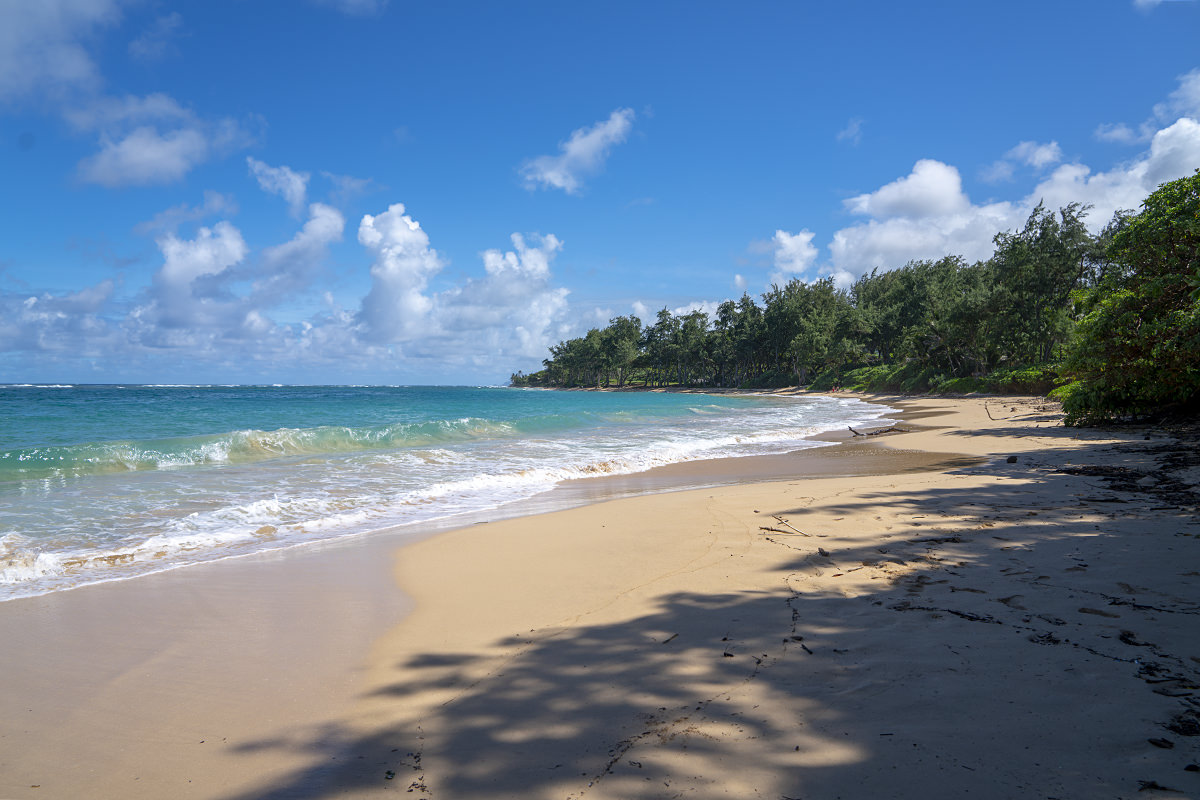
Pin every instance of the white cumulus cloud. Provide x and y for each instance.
(931, 189)
(926, 215)
(793, 254)
(1174, 152)
(891, 242)
(211, 252)
(396, 307)
(184, 299)
(62, 324)
(708, 307)
(513, 311)
(583, 154)
(228, 308)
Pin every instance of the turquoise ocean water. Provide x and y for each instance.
(104, 483)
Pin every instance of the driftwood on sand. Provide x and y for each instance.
(892, 429)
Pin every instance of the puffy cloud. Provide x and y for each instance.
(709, 307)
(211, 252)
(180, 297)
(1174, 152)
(793, 254)
(512, 310)
(213, 299)
(68, 324)
(931, 189)
(949, 224)
(191, 303)
(197, 301)
(581, 155)
(40, 49)
(155, 42)
(925, 214)
(150, 140)
(533, 262)
(187, 306)
(395, 308)
(842, 278)
(889, 243)
(292, 186)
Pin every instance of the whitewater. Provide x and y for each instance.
(101, 483)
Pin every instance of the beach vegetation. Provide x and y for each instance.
(1108, 323)
(1136, 348)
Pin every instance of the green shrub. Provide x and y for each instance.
(1083, 404)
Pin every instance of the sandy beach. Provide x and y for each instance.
(981, 603)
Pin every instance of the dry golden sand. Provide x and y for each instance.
(921, 626)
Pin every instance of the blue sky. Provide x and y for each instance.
(378, 191)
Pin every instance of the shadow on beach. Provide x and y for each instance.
(1023, 641)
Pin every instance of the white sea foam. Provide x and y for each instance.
(202, 503)
(37, 386)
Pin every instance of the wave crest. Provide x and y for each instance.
(239, 447)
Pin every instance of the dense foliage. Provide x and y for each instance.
(1136, 348)
(1115, 317)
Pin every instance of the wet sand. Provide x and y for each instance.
(925, 619)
